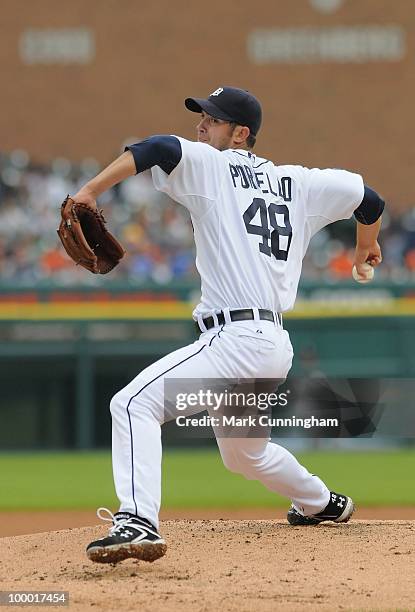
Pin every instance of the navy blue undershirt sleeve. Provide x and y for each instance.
(163, 151)
(370, 208)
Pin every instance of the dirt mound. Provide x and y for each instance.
(34, 521)
(227, 565)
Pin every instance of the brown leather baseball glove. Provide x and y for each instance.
(86, 239)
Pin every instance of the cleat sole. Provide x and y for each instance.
(145, 551)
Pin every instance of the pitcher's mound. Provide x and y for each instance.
(227, 565)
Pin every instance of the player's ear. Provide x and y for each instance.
(240, 134)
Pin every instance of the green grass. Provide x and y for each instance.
(197, 479)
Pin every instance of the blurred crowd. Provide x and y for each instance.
(156, 233)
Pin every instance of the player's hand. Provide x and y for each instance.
(84, 196)
(371, 255)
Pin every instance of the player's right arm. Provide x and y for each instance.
(369, 218)
(337, 194)
(367, 246)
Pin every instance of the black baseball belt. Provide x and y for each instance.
(244, 314)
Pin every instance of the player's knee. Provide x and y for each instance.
(233, 460)
(116, 403)
(231, 464)
(242, 462)
(124, 398)
(141, 406)
(122, 401)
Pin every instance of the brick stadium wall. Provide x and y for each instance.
(149, 56)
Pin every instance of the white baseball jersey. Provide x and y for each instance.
(253, 221)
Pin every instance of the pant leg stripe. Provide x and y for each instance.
(129, 416)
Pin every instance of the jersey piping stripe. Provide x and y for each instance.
(216, 335)
(242, 154)
(261, 164)
(129, 416)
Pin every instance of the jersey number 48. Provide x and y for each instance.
(269, 229)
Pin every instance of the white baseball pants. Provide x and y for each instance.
(246, 349)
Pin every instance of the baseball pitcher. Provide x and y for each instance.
(253, 221)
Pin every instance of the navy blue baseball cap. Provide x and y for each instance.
(230, 104)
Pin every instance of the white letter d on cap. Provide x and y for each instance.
(217, 91)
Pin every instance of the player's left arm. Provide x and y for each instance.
(120, 169)
(162, 151)
(369, 218)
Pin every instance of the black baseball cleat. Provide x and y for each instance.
(129, 537)
(339, 509)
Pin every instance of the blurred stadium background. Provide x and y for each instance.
(79, 81)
